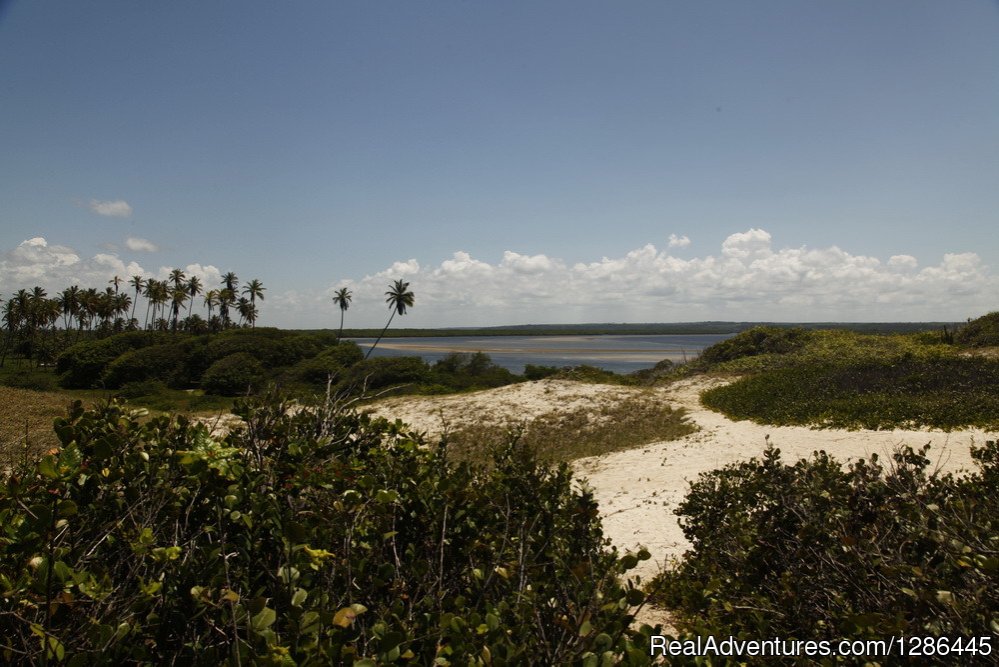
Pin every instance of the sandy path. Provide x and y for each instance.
(638, 489)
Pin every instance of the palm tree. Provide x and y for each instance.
(227, 296)
(152, 292)
(178, 296)
(254, 289)
(342, 298)
(193, 289)
(177, 276)
(116, 281)
(138, 282)
(398, 300)
(211, 300)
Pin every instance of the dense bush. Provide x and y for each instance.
(981, 332)
(813, 551)
(756, 341)
(346, 353)
(942, 392)
(539, 372)
(82, 366)
(233, 375)
(384, 372)
(476, 370)
(310, 538)
(155, 362)
(317, 370)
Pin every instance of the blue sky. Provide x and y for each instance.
(515, 161)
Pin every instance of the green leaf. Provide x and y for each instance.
(299, 597)
(263, 620)
(46, 467)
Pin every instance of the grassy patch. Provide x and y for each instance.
(565, 436)
(942, 392)
(26, 423)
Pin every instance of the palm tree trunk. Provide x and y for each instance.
(339, 336)
(377, 340)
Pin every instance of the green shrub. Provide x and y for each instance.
(383, 372)
(317, 371)
(539, 372)
(476, 370)
(155, 362)
(82, 366)
(234, 375)
(812, 551)
(756, 341)
(981, 332)
(346, 353)
(587, 373)
(309, 538)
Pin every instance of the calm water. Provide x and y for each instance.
(621, 354)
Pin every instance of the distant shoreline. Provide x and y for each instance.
(641, 329)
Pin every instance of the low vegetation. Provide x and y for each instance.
(319, 537)
(569, 435)
(813, 550)
(843, 379)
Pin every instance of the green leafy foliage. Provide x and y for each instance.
(314, 536)
(82, 366)
(384, 372)
(155, 362)
(476, 370)
(234, 375)
(814, 551)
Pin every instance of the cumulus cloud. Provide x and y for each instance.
(140, 245)
(117, 208)
(678, 241)
(748, 279)
(35, 261)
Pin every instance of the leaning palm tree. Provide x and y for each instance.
(398, 299)
(342, 298)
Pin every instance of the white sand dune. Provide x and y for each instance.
(638, 489)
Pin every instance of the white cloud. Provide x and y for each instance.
(749, 279)
(118, 208)
(140, 245)
(678, 241)
(209, 275)
(55, 267)
(902, 262)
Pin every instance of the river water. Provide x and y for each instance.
(618, 353)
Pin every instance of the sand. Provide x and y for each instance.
(639, 488)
